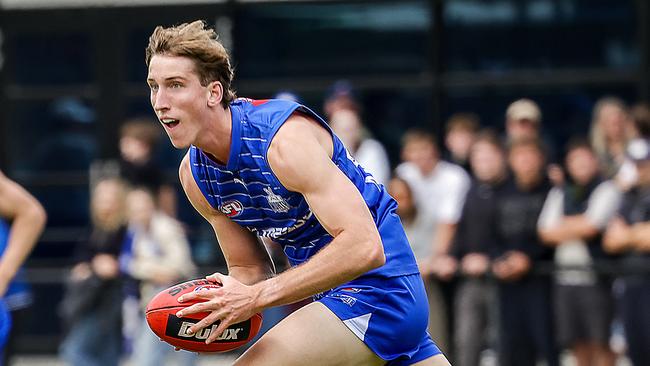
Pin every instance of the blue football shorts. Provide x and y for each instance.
(389, 314)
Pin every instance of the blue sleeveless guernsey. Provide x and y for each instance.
(248, 192)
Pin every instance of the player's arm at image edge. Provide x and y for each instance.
(27, 218)
(247, 259)
(300, 159)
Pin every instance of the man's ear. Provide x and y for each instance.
(215, 90)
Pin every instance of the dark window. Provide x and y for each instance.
(331, 39)
(503, 35)
(51, 59)
(51, 135)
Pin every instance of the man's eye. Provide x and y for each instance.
(176, 85)
(153, 87)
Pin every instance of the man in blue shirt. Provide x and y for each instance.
(274, 170)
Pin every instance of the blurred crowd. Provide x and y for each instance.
(527, 249)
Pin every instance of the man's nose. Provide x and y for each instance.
(160, 101)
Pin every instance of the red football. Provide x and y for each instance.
(162, 319)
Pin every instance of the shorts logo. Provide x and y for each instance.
(348, 300)
(232, 208)
(178, 327)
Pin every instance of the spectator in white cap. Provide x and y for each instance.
(523, 120)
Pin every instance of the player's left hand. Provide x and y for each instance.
(231, 303)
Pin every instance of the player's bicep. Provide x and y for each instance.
(240, 247)
(303, 164)
(15, 200)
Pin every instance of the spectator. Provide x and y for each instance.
(22, 219)
(461, 131)
(626, 176)
(159, 257)
(629, 235)
(418, 232)
(138, 139)
(524, 299)
(610, 132)
(471, 247)
(370, 153)
(439, 189)
(340, 96)
(573, 220)
(92, 304)
(523, 120)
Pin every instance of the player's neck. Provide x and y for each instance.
(216, 137)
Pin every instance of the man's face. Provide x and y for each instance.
(488, 162)
(522, 129)
(140, 207)
(347, 127)
(177, 97)
(421, 153)
(582, 165)
(613, 121)
(526, 162)
(459, 142)
(402, 194)
(134, 150)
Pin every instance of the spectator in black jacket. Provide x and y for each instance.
(474, 238)
(524, 299)
(92, 305)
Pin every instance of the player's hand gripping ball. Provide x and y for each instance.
(162, 319)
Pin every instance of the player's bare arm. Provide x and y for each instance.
(27, 218)
(300, 156)
(245, 255)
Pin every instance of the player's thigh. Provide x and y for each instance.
(312, 335)
(437, 360)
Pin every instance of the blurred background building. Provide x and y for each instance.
(72, 71)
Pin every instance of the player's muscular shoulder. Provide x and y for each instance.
(298, 149)
(300, 129)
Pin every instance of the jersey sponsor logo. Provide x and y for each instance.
(178, 328)
(276, 232)
(232, 208)
(277, 203)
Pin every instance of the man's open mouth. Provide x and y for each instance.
(170, 122)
